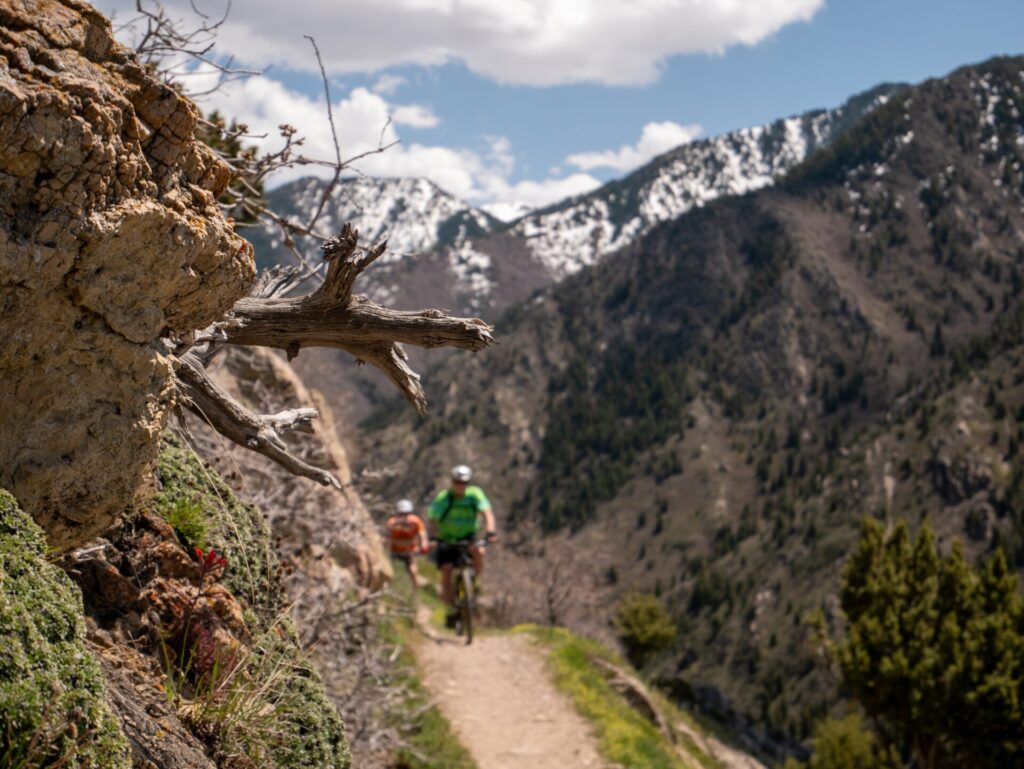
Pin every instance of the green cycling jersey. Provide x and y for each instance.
(458, 517)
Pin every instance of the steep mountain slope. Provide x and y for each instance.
(443, 252)
(708, 414)
(470, 260)
(578, 232)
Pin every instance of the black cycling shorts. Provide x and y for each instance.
(448, 552)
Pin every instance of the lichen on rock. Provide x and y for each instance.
(110, 239)
(52, 700)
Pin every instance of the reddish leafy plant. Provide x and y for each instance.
(210, 562)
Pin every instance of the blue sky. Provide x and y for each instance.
(534, 99)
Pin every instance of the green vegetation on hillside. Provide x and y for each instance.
(735, 391)
(845, 743)
(626, 738)
(934, 650)
(599, 425)
(644, 627)
(53, 709)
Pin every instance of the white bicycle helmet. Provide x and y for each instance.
(404, 506)
(461, 473)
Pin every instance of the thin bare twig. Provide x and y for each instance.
(334, 136)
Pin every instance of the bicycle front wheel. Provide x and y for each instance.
(466, 604)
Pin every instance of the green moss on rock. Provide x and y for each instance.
(52, 699)
(310, 731)
(234, 529)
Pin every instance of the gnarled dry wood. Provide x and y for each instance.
(259, 432)
(330, 316)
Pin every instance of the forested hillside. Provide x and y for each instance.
(446, 252)
(709, 412)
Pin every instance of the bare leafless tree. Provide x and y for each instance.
(557, 589)
(273, 315)
(330, 316)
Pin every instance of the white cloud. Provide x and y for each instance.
(388, 84)
(655, 139)
(536, 42)
(264, 104)
(416, 116)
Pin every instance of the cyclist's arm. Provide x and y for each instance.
(488, 515)
(435, 511)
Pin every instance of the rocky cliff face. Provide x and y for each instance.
(325, 536)
(312, 522)
(110, 240)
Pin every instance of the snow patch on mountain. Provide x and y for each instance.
(471, 269)
(413, 215)
(507, 212)
(416, 216)
(573, 236)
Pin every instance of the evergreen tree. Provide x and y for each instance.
(226, 141)
(644, 627)
(934, 650)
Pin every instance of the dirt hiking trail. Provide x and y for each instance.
(498, 696)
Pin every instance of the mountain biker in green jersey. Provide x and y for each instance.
(454, 518)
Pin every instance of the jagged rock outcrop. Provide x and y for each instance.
(312, 522)
(110, 240)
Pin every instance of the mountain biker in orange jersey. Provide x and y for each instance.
(407, 537)
(454, 517)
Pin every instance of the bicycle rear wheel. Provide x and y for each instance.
(466, 604)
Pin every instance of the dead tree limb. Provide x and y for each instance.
(272, 316)
(332, 316)
(258, 432)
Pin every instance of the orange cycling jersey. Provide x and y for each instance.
(404, 531)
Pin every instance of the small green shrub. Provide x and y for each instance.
(644, 627)
(844, 744)
(188, 521)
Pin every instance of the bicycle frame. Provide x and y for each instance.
(464, 598)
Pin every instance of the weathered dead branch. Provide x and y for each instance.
(332, 316)
(272, 315)
(259, 432)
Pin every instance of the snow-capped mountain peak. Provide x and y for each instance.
(476, 259)
(414, 215)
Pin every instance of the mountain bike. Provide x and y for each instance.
(464, 598)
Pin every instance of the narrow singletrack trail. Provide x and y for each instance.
(499, 698)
